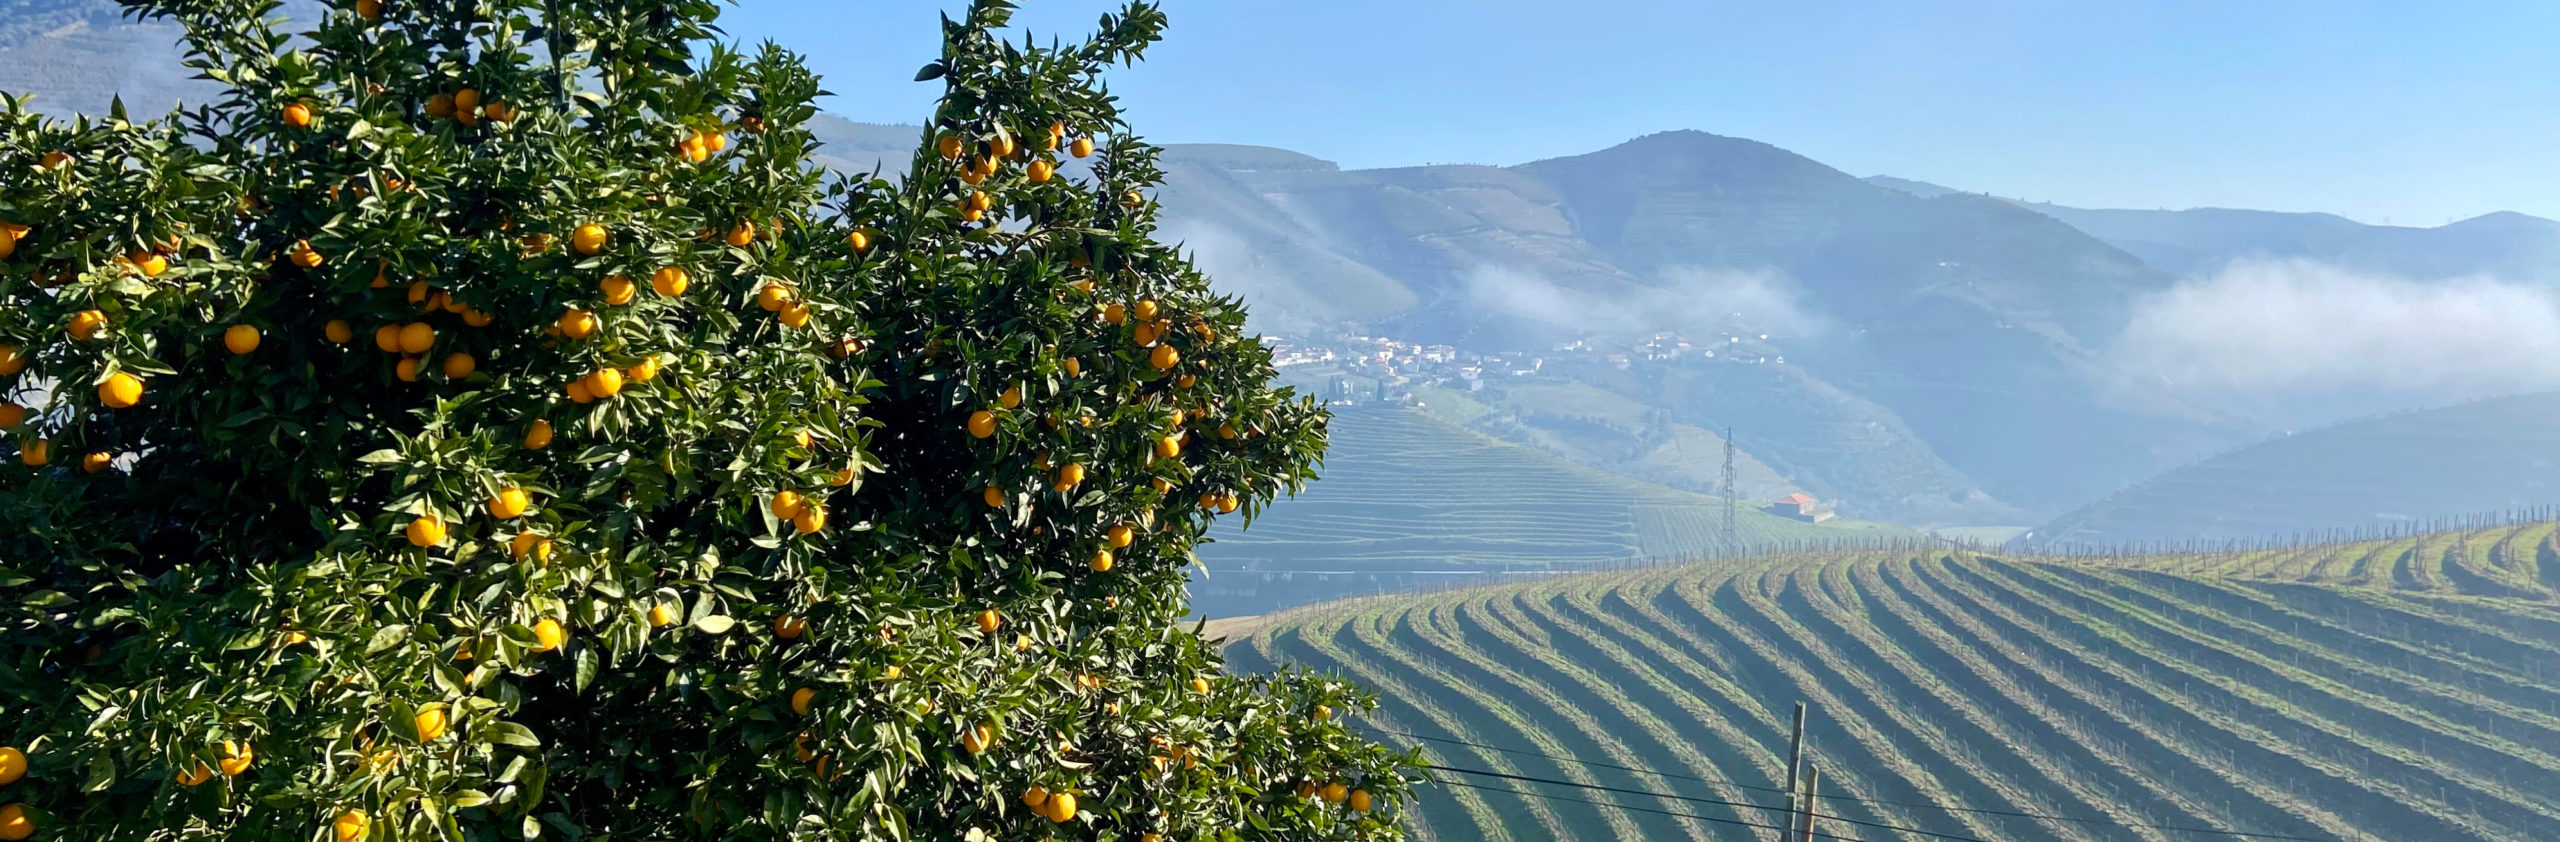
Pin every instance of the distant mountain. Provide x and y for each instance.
(2490, 455)
(2196, 242)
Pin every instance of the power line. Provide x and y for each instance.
(1694, 799)
(1635, 809)
(1886, 801)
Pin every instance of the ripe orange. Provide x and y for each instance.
(670, 281)
(54, 158)
(794, 314)
(1324, 713)
(120, 390)
(87, 324)
(549, 635)
(994, 495)
(369, 9)
(1081, 148)
(772, 297)
(416, 338)
(1164, 357)
(1012, 397)
(1036, 798)
(1001, 147)
(351, 826)
(788, 627)
(431, 724)
(338, 332)
(978, 738)
(1101, 561)
(13, 765)
(466, 101)
(234, 758)
(1069, 477)
(14, 824)
(195, 775)
(662, 615)
(537, 435)
(784, 504)
(800, 700)
(1114, 313)
(947, 145)
(406, 370)
(843, 477)
(1360, 800)
(1062, 807)
(529, 545)
(605, 383)
(742, 234)
(982, 424)
(989, 621)
(588, 238)
(95, 462)
(1146, 309)
(12, 415)
(860, 242)
(643, 371)
(387, 338)
(498, 112)
(8, 240)
(577, 323)
(241, 339)
(1200, 685)
(1040, 171)
(460, 365)
(303, 255)
(577, 391)
(426, 531)
(297, 115)
(11, 361)
(1168, 447)
(617, 289)
(1075, 367)
(35, 452)
(509, 503)
(811, 518)
(1336, 792)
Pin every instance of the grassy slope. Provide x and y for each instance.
(1403, 488)
(2257, 692)
(2488, 455)
(1408, 500)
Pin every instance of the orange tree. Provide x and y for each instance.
(484, 422)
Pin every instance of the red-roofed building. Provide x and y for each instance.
(1800, 506)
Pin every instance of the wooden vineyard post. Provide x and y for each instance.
(1812, 788)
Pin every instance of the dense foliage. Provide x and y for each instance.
(484, 422)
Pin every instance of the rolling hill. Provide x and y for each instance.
(1408, 500)
(2088, 701)
(2488, 455)
(2197, 241)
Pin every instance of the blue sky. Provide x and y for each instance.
(2415, 113)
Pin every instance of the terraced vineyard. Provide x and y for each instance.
(1407, 500)
(2213, 692)
(2507, 560)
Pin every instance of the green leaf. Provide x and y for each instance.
(931, 71)
(715, 624)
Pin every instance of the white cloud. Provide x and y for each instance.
(1229, 261)
(2262, 333)
(1685, 298)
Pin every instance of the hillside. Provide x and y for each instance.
(2488, 455)
(1407, 500)
(2105, 697)
(2197, 241)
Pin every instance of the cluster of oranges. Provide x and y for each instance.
(975, 204)
(465, 107)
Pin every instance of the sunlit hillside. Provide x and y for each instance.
(2352, 693)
